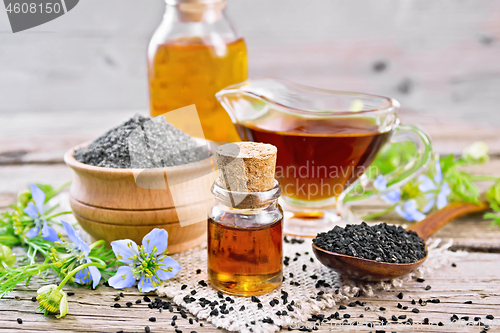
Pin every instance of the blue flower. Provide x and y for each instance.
(380, 185)
(80, 250)
(35, 211)
(430, 188)
(146, 263)
(409, 211)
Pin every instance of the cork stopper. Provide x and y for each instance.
(246, 166)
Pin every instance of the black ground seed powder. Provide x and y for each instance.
(380, 242)
(142, 142)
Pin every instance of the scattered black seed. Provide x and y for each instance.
(122, 295)
(427, 287)
(201, 324)
(453, 265)
(242, 308)
(314, 277)
(405, 308)
(174, 317)
(184, 286)
(214, 312)
(268, 321)
(367, 308)
(435, 300)
(203, 283)
(194, 332)
(146, 299)
(382, 308)
(382, 318)
(352, 304)
(129, 304)
(289, 308)
(70, 293)
(361, 316)
(19, 321)
(426, 320)
(402, 317)
(33, 299)
(346, 315)
(172, 323)
(153, 319)
(117, 305)
(399, 306)
(198, 271)
(117, 298)
(400, 296)
(342, 307)
(17, 298)
(380, 242)
(468, 302)
(191, 321)
(413, 302)
(260, 305)
(320, 293)
(477, 318)
(220, 294)
(120, 331)
(255, 299)
(311, 259)
(415, 310)
(147, 329)
(440, 324)
(490, 317)
(466, 318)
(178, 331)
(420, 280)
(379, 66)
(394, 318)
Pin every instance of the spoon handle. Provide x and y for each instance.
(435, 221)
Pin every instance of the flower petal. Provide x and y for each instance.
(38, 196)
(156, 238)
(438, 178)
(429, 205)
(148, 284)
(75, 238)
(49, 233)
(125, 250)
(33, 232)
(401, 213)
(31, 210)
(63, 306)
(426, 184)
(163, 272)
(83, 276)
(392, 197)
(380, 183)
(413, 213)
(123, 278)
(95, 274)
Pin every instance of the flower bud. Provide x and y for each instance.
(476, 152)
(7, 258)
(52, 300)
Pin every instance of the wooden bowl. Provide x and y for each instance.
(114, 204)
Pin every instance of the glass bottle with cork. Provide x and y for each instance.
(245, 239)
(194, 53)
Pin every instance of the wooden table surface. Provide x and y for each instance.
(30, 153)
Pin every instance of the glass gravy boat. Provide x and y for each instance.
(326, 141)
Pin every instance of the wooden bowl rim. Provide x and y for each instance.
(70, 160)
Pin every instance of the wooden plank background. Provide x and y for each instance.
(438, 57)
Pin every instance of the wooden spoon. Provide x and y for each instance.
(371, 270)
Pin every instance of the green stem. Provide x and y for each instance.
(58, 214)
(483, 178)
(378, 214)
(97, 243)
(9, 240)
(76, 270)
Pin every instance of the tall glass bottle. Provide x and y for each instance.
(194, 53)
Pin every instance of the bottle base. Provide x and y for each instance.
(245, 285)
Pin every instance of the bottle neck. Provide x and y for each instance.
(208, 11)
(246, 200)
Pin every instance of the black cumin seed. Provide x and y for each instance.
(242, 308)
(477, 318)
(220, 295)
(420, 280)
(453, 265)
(203, 283)
(122, 295)
(413, 302)
(146, 299)
(198, 271)
(255, 299)
(193, 292)
(440, 324)
(33, 299)
(382, 308)
(147, 329)
(70, 293)
(352, 304)
(367, 308)
(117, 305)
(172, 323)
(129, 304)
(311, 259)
(490, 317)
(320, 293)
(260, 305)
(138, 301)
(184, 286)
(174, 317)
(382, 318)
(415, 310)
(468, 302)
(402, 317)
(19, 321)
(342, 307)
(193, 332)
(153, 319)
(290, 308)
(400, 296)
(178, 331)
(191, 321)
(405, 308)
(394, 318)
(399, 306)
(304, 267)
(426, 321)
(117, 298)
(346, 315)
(427, 287)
